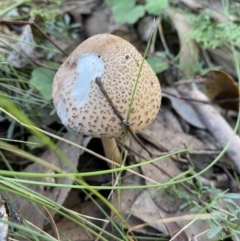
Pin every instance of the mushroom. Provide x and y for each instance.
(82, 106)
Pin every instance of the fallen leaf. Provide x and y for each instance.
(128, 198)
(23, 50)
(69, 230)
(219, 86)
(145, 209)
(183, 108)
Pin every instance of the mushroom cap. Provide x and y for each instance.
(81, 105)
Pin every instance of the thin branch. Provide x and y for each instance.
(53, 224)
(116, 112)
(2, 21)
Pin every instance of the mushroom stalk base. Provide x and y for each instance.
(111, 150)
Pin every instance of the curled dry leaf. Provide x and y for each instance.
(219, 86)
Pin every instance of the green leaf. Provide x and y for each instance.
(157, 64)
(111, 2)
(232, 195)
(42, 80)
(213, 232)
(125, 11)
(156, 6)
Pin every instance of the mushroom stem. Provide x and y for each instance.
(111, 149)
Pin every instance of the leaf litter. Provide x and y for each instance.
(56, 194)
(24, 50)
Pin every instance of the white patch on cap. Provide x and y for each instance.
(89, 66)
(61, 110)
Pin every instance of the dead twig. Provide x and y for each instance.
(53, 224)
(3, 21)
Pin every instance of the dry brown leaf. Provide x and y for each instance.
(69, 230)
(128, 197)
(146, 209)
(183, 108)
(219, 86)
(23, 50)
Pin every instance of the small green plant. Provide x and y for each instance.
(127, 11)
(42, 80)
(212, 34)
(67, 28)
(158, 62)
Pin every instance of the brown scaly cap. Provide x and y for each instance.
(81, 105)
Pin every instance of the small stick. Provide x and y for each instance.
(116, 112)
(124, 122)
(183, 82)
(53, 224)
(37, 27)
